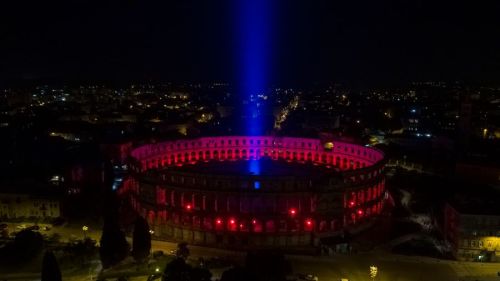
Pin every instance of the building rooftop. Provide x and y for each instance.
(477, 200)
(29, 187)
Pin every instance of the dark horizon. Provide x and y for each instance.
(384, 43)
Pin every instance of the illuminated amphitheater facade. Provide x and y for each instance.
(188, 190)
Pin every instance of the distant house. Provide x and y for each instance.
(13, 206)
(472, 227)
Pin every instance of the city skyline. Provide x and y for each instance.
(249, 140)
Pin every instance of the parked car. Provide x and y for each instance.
(157, 254)
(306, 277)
(33, 227)
(217, 262)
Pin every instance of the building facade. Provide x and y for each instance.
(321, 189)
(473, 237)
(15, 206)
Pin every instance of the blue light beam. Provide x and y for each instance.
(254, 25)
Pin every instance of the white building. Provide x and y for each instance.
(14, 205)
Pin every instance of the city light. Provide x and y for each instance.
(373, 272)
(85, 229)
(299, 133)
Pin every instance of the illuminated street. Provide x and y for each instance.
(355, 267)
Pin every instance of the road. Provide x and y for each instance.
(354, 267)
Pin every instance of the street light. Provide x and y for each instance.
(85, 229)
(373, 272)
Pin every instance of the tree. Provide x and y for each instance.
(114, 247)
(182, 250)
(177, 270)
(83, 251)
(50, 268)
(28, 244)
(238, 274)
(200, 274)
(268, 265)
(141, 244)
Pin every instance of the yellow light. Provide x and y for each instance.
(85, 228)
(329, 145)
(373, 271)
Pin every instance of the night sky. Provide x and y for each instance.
(369, 42)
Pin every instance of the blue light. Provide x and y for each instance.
(256, 184)
(254, 167)
(253, 28)
(254, 25)
(117, 183)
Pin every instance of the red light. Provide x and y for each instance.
(241, 225)
(231, 221)
(351, 203)
(218, 221)
(308, 222)
(360, 212)
(254, 221)
(188, 207)
(293, 212)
